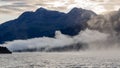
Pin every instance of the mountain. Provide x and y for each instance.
(45, 22)
(4, 50)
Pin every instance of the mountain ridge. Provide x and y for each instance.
(45, 22)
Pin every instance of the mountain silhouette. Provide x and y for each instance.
(45, 22)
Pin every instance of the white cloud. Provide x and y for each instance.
(87, 36)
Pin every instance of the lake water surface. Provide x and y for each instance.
(60, 60)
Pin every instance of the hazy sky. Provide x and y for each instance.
(10, 9)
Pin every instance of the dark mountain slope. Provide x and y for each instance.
(44, 22)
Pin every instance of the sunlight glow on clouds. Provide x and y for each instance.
(16, 7)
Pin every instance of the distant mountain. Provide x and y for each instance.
(45, 22)
(4, 50)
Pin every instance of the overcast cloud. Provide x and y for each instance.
(14, 8)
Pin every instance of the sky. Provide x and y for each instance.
(11, 9)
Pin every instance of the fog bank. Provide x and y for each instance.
(86, 40)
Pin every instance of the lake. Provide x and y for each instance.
(60, 60)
